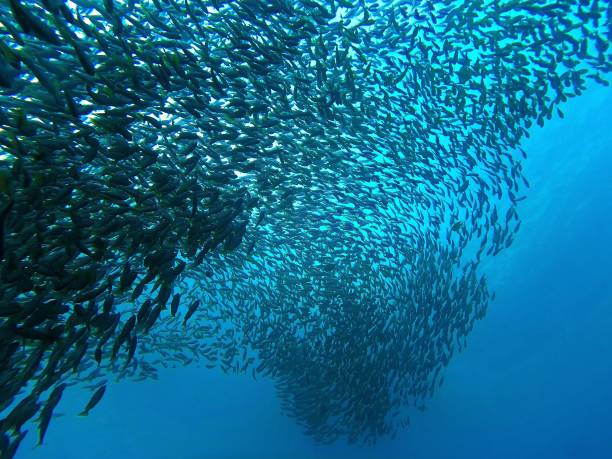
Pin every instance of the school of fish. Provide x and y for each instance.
(296, 189)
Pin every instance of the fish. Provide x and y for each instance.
(123, 335)
(47, 411)
(3, 214)
(176, 300)
(94, 400)
(190, 311)
(313, 172)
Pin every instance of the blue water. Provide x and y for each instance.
(534, 381)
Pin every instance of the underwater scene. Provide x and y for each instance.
(305, 229)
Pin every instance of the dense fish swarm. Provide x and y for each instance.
(298, 189)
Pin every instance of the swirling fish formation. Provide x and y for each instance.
(296, 189)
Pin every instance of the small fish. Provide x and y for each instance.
(47, 411)
(176, 300)
(190, 311)
(94, 400)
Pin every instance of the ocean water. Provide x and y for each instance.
(534, 381)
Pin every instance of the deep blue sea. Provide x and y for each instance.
(534, 381)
